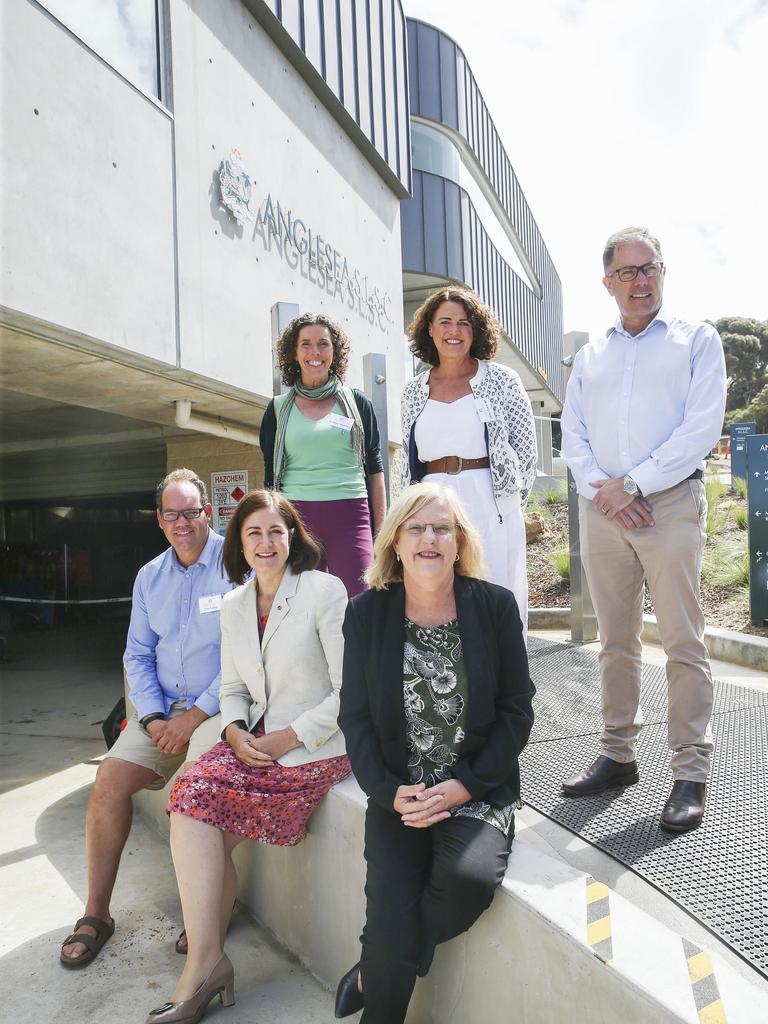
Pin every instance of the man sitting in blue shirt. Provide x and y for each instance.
(172, 664)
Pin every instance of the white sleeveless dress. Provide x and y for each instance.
(454, 428)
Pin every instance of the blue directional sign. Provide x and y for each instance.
(739, 434)
(757, 506)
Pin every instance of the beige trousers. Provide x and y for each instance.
(668, 557)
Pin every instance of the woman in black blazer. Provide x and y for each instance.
(435, 709)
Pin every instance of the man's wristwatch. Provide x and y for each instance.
(631, 488)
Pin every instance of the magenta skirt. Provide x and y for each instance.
(269, 805)
(343, 527)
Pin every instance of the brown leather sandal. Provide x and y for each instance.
(104, 930)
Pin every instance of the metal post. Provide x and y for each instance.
(282, 314)
(375, 387)
(583, 619)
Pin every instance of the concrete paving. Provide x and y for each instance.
(55, 690)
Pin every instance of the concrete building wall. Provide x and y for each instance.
(87, 197)
(208, 455)
(113, 229)
(232, 87)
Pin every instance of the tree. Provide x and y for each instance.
(756, 411)
(745, 342)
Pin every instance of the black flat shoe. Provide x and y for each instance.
(684, 809)
(349, 998)
(602, 774)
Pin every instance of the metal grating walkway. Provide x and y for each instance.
(719, 872)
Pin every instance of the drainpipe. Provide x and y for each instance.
(188, 420)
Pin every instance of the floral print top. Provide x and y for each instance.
(435, 692)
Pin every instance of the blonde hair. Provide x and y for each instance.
(387, 569)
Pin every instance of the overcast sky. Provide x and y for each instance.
(614, 114)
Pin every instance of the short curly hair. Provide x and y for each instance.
(485, 327)
(290, 371)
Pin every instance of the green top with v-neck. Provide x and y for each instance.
(321, 463)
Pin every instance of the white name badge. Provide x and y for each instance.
(209, 603)
(484, 411)
(342, 422)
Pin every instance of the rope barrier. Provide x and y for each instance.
(48, 600)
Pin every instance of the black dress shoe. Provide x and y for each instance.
(685, 807)
(349, 998)
(604, 773)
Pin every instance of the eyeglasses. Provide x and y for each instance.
(441, 531)
(630, 273)
(188, 513)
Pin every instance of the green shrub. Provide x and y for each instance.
(555, 496)
(740, 516)
(535, 505)
(560, 560)
(740, 486)
(727, 564)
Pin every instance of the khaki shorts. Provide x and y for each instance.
(134, 744)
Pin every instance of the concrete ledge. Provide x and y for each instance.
(723, 644)
(552, 947)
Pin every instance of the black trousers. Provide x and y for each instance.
(423, 887)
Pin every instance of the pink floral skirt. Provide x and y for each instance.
(269, 805)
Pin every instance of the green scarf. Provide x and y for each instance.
(345, 398)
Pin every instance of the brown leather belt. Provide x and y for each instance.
(453, 464)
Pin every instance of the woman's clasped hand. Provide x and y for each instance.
(420, 807)
(263, 750)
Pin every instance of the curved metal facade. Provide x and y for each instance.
(442, 233)
(358, 48)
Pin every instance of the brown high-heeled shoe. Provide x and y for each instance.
(220, 982)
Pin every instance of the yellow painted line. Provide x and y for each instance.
(599, 931)
(699, 966)
(596, 891)
(713, 1014)
(706, 994)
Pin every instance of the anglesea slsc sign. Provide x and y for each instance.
(739, 434)
(757, 506)
(302, 245)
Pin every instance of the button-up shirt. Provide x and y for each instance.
(649, 406)
(173, 651)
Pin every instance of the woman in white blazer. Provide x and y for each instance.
(281, 658)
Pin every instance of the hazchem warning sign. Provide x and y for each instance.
(227, 488)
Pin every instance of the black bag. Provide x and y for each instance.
(114, 723)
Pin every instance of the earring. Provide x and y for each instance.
(397, 556)
(458, 556)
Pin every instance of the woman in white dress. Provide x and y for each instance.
(467, 423)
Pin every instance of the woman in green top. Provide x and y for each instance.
(320, 442)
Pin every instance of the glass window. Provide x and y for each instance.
(434, 152)
(123, 32)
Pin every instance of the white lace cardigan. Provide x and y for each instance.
(510, 437)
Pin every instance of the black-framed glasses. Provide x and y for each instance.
(630, 273)
(188, 513)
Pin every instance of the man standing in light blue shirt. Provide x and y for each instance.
(172, 664)
(644, 406)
